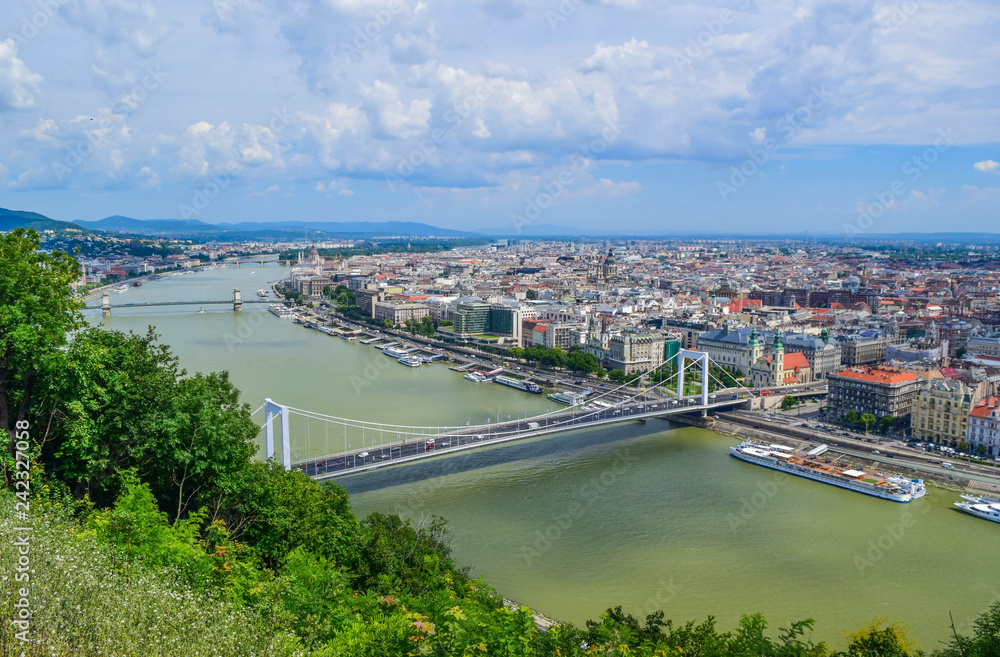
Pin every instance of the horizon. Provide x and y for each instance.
(846, 118)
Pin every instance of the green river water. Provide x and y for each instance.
(653, 516)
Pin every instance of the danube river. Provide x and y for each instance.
(647, 516)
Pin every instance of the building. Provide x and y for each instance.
(857, 350)
(941, 413)
(777, 368)
(984, 427)
(312, 286)
(879, 392)
(730, 348)
(634, 352)
(365, 300)
(604, 271)
(549, 335)
(400, 313)
(980, 346)
(478, 318)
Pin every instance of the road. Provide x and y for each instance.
(376, 456)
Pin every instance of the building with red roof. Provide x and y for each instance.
(875, 391)
(984, 427)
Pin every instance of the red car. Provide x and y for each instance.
(765, 393)
(429, 445)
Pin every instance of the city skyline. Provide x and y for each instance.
(750, 117)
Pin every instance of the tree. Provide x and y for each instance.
(874, 640)
(206, 444)
(600, 373)
(530, 294)
(37, 311)
(788, 402)
(867, 419)
(288, 510)
(885, 423)
(981, 450)
(852, 417)
(114, 395)
(618, 376)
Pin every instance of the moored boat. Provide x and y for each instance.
(411, 361)
(984, 511)
(871, 482)
(511, 382)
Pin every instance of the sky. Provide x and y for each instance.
(651, 116)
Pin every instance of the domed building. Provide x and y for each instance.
(604, 271)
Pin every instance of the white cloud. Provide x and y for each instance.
(337, 186)
(987, 166)
(19, 87)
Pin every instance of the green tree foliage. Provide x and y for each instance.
(788, 402)
(867, 419)
(984, 642)
(282, 511)
(206, 442)
(885, 423)
(37, 312)
(115, 394)
(618, 376)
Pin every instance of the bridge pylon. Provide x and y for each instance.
(106, 305)
(270, 411)
(699, 357)
(237, 300)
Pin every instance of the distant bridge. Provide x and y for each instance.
(386, 444)
(237, 302)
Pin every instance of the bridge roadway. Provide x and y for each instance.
(377, 456)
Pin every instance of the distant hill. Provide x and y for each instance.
(274, 229)
(120, 224)
(11, 219)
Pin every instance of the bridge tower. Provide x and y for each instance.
(237, 300)
(699, 357)
(106, 305)
(270, 411)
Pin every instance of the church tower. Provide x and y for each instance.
(777, 359)
(755, 348)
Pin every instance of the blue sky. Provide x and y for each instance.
(644, 115)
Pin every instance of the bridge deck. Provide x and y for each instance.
(378, 456)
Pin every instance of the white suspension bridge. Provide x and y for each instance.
(359, 445)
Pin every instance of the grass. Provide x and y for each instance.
(85, 602)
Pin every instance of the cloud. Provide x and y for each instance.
(987, 166)
(337, 186)
(19, 87)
